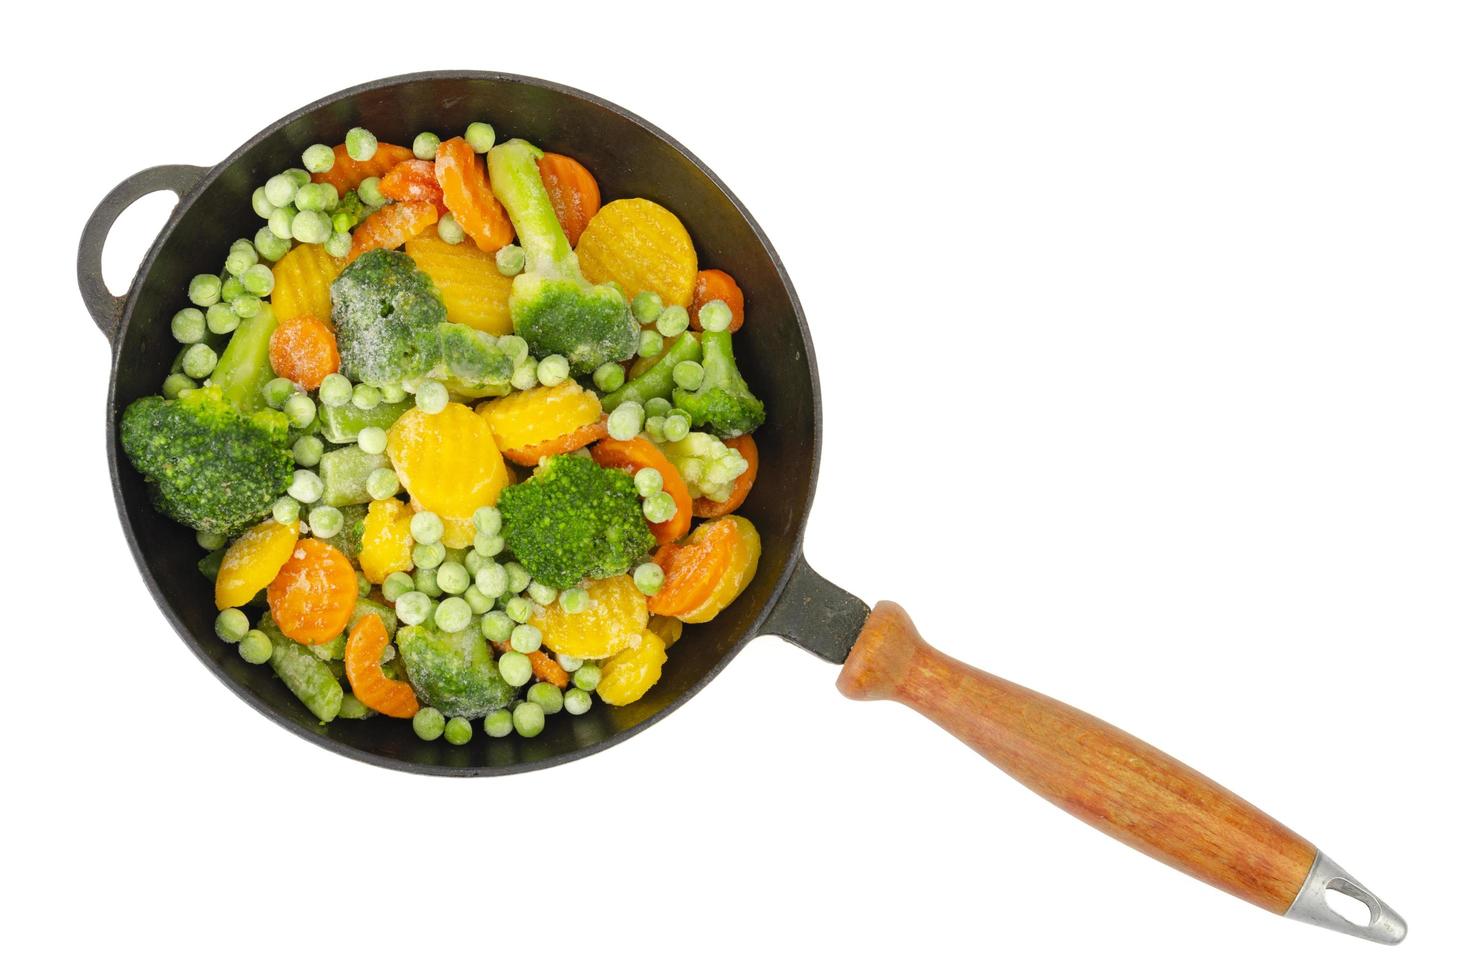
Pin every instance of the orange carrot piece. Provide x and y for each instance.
(469, 196)
(714, 284)
(547, 669)
(567, 443)
(573, 192)
(362, 653)
(347, 172)
(392, 226)
(632, 455)
(704, 507)
(314, 593)
(692, 570)
(413, 180)
(303, 350)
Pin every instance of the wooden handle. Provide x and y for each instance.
(1111, 781)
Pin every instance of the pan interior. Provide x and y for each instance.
(629, 159)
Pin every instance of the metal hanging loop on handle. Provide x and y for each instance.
(1384, 926)
(107, 309)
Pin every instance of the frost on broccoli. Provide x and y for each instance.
(723, 403)
(572, 520)
(552, 305)
(453, 672)
(391, 328)
(707, 465)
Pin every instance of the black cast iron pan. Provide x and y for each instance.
(1112, 781)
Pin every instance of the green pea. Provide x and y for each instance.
(270, 246)
(659, 507)
(649, 481)
(479, 136)
(519, 609)
(339, 244)
(281, 221)
(318, 159)
(492, 580)
(308, 450)
(366, 397)
(459, 731)
(221, 319)
(547, 696)
(278, 391)
(514, 667)
(424, 147)
(477, 600)
(514, 347)
(654, 428)
(675, 427)
(188, 326)
(306, 487)
(310, 198)
(412, 608)
(569, 664)
(609, 377)
(526, 375)
(372, 439)
(255, 647)
(575, 600)
(428, 555)
(587, 677)
(396, 584)
(360, 144)
(431, 397)
(475, 562)
(369, 191)
(525, 639)
(488, 520)
(325, 521)
(452, 577)
(426, 581)
(542, 593)
(577, 701)
(449, 230)
(204, 289)
(649, 344)
(382, 483)
(241, 258)
(673, 321)
(688, 375)
(646, 306)
(496, 626)
(488, 545)
(312, 227)
(529, 719)
(232, 625)
(176, 383)
(648, 577)
(286, 510)
(300, 410)
(199, 361)
(625, 421)
(231, 287)
(393, 394)
(279, 190)
(453, 613)
(335, 390)
(246, 307)
(509, 260)
(428, 724)
(258, 279)
(715, 315)
(518, 577)
(298, 175)
(261, 206)
(210, 540)
(426, 527)
(498, 724)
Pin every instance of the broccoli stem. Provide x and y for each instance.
(656, 381)
(244, 367)
(513, 169)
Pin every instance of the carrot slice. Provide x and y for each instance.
(692, 570)
(573, 193)
(362, 653)
(314, 593)
(303, 350)
(347, 172)
(632, 455)
(704, 507)
(469, 196)
(392, 226)
(714, 284)
(413, 180)
(567, 443)
(546, 669)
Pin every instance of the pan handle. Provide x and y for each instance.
(107, 309)
(1110, 780)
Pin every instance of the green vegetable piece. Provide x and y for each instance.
(498, 724)
(529, 719)
(341, 424)
(369, 607)
(551, 303)
(577, 701)
(656, 381)
(345, 473)
(459, 731)
(723, 402)
(428, 723)
(453, 672)
(210, 564)
(244, 368)
(353, 708)
(547, 696)
(308, 677)
(255, 647)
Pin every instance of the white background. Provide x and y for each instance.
(1148, 344)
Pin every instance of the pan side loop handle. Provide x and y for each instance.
(1112, 781)
(107, 309)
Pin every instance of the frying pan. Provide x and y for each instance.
(1107, 778)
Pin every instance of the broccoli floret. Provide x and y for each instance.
(210, 466)
(350, 211)
(391, 328)
(707, 466)
(453, 672)
(552, 305)
(572, 520)
(723, 402)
